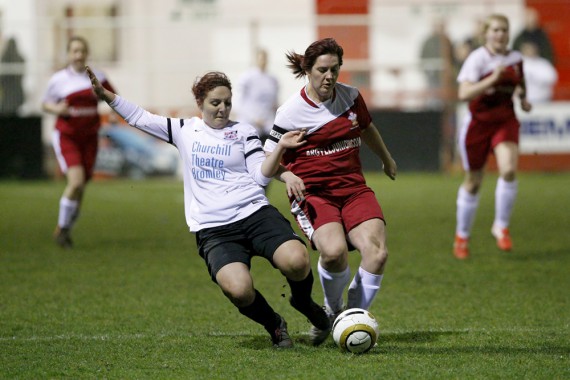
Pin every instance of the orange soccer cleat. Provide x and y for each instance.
(503, 237)
(461, 248)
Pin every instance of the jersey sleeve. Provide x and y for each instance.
(469, 72)
(363, 115)
(155, 125)
(281, 125)
(254, 157)
(50, 96)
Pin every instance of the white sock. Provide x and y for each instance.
(466, 208)
(333, 286)
(505, 195)
(363, 289)
(68, 209)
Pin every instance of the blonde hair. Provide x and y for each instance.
(494, 17)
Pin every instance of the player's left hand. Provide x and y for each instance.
(295, 186)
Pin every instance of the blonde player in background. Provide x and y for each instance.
(488, 79)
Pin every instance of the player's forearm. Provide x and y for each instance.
(374, 141)
(271, 165)
(106, 96)
(468, 90)
(50, 108)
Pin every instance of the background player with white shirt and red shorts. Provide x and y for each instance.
(333, 205)
(488, 79)
(75, 139)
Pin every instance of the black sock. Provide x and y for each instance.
(301, 290)
(260, 312)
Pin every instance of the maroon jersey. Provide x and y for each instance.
(330, 160)
(496, 104)
(75, 88)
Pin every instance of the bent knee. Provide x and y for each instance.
(375, 258)
(509, 175)
(240, 296)
(298, 264)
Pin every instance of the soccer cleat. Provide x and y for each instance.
(503, 237)
(317, 335)
(316, 314)
(62, 237)
(280, 336)
(461, 248)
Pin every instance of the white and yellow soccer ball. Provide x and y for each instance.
(355, 330)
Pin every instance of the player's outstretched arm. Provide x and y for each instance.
(101, 92)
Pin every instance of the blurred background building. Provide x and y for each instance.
(150, 47)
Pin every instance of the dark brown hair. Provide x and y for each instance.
(300, 64)
(206, 83)
(80, 39)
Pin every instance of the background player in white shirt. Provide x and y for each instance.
(75, 138)
(225, 171)
(257, 97)
(540, 75)
(339, 212)
(488, 79)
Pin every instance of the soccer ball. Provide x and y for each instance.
(355, 330)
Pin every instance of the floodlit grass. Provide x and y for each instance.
(133, 299)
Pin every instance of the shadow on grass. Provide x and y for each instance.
(261, 342)
(414, 343)
(535, 255)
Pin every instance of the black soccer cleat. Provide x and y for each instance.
(280, 336)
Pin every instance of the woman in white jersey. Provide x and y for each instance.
(75, 138)
(488, 79)
(339, 212)
(225, 171)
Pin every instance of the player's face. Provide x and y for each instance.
(497, 36)
(217, 107)
(323, 76)
(77, 55)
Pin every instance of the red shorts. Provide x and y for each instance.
(349, 210)
(76, 151)
(479, 139)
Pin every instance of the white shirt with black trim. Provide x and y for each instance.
(223, 182)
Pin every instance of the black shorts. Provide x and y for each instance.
(260, 234)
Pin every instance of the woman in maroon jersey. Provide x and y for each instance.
(75, 138)
(339, 211)
(488, 79)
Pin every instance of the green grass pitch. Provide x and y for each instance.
(133, 299)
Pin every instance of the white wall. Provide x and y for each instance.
(164, 44)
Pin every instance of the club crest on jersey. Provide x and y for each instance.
(352, 117)
(230, 135)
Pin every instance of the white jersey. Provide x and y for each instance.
(540, 77)
(257, 98)
(223, 182)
